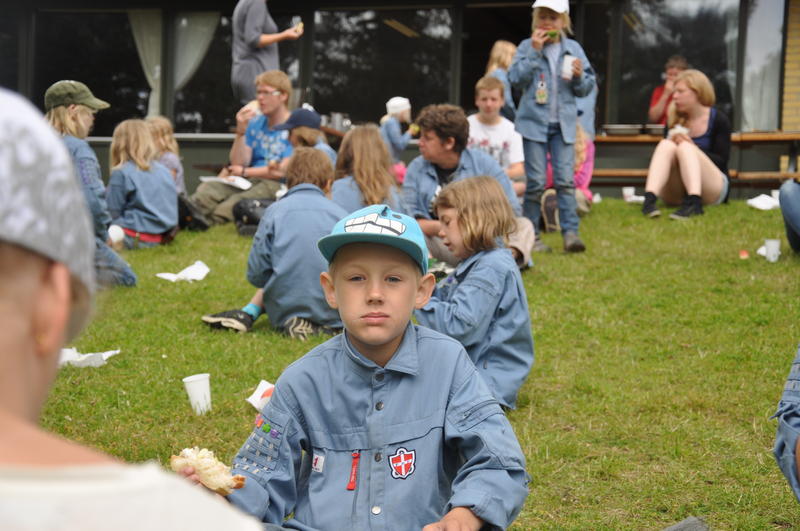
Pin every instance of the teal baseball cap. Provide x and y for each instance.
(378, 224)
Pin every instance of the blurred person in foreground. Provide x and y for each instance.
(46, 288)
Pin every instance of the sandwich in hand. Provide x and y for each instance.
(214, 474)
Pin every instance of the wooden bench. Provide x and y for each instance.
(744, 141)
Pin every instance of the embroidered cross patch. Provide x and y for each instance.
(402, 463)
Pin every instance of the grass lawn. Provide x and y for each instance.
(660, 356)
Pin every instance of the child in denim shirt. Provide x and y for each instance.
(483, 303)
(388, 425)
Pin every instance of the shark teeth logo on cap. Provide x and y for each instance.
(375, 224)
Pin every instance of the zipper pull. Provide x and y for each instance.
(354, 471)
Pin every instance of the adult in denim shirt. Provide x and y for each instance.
(788, 434)
(547, 114)
(444, 133)
(71, 107)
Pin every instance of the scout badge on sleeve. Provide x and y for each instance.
(541, 91)
(402, 463)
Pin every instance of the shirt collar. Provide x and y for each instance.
(457, 170)
(304, 187)
(405, 359)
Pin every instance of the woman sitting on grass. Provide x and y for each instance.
(46, 285)
(690, 166)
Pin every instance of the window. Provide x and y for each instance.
(703, 31)
(363, 58)
(98, 50)
(9, 50)
(762, 66)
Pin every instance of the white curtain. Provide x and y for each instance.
(193, 34)
(146, 28)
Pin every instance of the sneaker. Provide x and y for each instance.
(238, 320)
(649, 208)
(540, 247)
(300, 328)
(572, 243)
(692, 206)
(550, 211)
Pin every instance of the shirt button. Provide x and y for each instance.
(379, 377)
(378, 456)
(379, 406)
(376, 510)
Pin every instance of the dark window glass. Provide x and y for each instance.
(594, 38)
(363, 58)
(703, 31)
(98, 50)
(9, 51)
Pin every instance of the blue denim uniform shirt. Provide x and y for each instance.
(346, 193)
(395, 140)
(144, 201)
(421, 185)
(87, 169)
(284, 259)
(509, 110)
(325, 148)
(525, 72)
(483, 305)
(267, 145)
(347, 444)
(788, 415)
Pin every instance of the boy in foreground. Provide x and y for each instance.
(388, 425)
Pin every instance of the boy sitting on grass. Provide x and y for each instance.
(284, 262)
(387, 425)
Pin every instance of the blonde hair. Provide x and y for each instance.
(65, 121)
(306, 136)
(484, 213)
(580, 147)
(277, 79)
(163, 134)
(364, 155)
(309, 165)
(488, 83)
(500, 56)
(132, 141)
(564, 18)
(698, 82)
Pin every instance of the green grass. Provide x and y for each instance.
(660, 356)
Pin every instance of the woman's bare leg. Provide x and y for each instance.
(661, 165)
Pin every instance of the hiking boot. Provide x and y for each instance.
(649, 208)
(692, 206)
(550, 211)
(572, 243)
(540, 247)
(238, 320)
(300, 328)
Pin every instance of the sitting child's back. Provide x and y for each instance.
(283, 258)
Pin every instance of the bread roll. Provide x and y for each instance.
(214, 474)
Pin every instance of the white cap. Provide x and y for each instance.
(559, 6)
(397, 104)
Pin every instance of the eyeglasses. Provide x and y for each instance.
(275, 92)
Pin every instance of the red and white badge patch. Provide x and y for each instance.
(402, 463)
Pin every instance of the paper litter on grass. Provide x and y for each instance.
(71, 356)
(261, 395)
(196, 271)
(764, 202)
(634, 199)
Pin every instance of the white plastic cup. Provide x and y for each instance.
(628, 192)
(773, 248)
(566, 67)
(198, 387)
(776, 194)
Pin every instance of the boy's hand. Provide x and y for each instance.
(577, 69)
(538, 38)
(189, 474)
(458, 519)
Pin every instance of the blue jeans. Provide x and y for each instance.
(790, 208)
(110, 268)
(562, 156)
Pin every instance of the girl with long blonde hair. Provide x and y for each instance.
(364, 172)
(500, 58)
(141, 193)
(690, 166)
(167, 151)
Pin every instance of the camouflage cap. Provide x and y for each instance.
(67, 92)
(41, 205)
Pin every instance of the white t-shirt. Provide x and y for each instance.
(500, 141)
(111, 497)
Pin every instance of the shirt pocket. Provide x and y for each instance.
(262, 448)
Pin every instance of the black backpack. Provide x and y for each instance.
(189, 216)
(248, 212)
